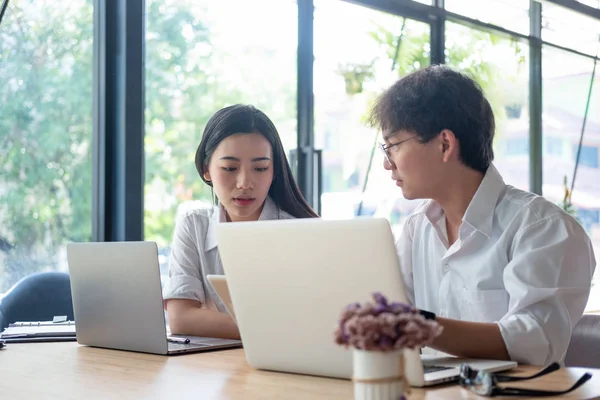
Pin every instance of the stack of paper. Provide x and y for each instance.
(39, 331)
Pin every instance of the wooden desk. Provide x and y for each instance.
(69, 371)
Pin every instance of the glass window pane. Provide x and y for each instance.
(501, 67)
(570, 29)
(200, 57)
(563, 115)
(354, 63)
(591, 3)
(509, 14)
(588, 155)
(45, 134)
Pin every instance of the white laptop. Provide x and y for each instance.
(289, 280)
(219, 283)
(117, 300)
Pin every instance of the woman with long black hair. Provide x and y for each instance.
(242, 158)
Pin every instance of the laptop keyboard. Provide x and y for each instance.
(185, 346)
(434, 368)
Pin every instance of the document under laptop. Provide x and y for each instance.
(39, 331)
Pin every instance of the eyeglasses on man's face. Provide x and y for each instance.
(486, 383)
(385, 148)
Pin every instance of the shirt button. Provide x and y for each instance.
(446, 268)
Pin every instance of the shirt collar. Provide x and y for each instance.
(433, 211)
(270, 211)
(480, 213)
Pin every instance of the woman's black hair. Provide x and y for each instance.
(241, 118)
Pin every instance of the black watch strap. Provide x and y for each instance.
(427, 314)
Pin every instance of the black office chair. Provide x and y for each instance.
(37, 297)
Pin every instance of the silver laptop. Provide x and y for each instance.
(117, 300)
(289, 280)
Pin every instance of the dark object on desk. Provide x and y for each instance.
(37, 297)
(584, 349)
(41, 339)
(485, 383)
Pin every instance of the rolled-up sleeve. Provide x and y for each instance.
(185, 269)
(548, 280)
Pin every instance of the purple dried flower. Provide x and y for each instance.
(380, 299)
(384, 326)
(380, 308)
(401, 307)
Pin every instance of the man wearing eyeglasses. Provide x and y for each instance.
(506, 272)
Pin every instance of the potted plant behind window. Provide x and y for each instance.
(566, 203)
(355, 75)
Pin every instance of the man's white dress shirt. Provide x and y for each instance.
(519, 261)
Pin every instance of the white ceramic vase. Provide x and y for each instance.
(378, 375)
